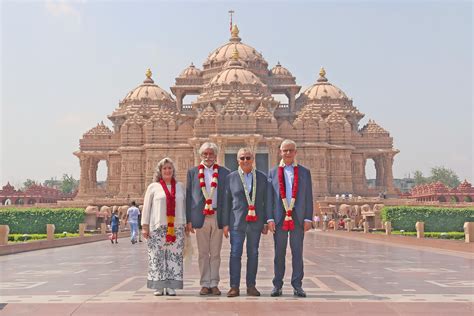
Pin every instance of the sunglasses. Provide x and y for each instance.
(245, 158)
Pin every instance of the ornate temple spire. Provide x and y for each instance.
(322, 75)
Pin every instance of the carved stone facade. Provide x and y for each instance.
(235, 107)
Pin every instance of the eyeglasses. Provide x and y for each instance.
(207, 154)
(289, 151)
(245, 158)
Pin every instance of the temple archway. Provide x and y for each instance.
(371, 173)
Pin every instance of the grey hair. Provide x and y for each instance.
(159, 166)
(244, 150)
(208, 145)
(287, 142)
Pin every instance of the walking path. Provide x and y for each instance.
(345, 274)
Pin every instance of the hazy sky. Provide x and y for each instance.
(65, 66)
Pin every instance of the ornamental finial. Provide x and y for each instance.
(322, 72)
(148, 73)
(235, 31)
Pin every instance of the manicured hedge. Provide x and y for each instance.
(436, 219)
(34, 220)
(28, 237)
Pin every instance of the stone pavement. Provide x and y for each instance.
(345, 274)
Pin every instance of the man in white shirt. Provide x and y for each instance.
(204, 207)
(132, 217)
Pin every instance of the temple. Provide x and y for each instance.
(237, 105)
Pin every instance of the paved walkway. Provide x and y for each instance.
(345, 274)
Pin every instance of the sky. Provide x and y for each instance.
(65, 65)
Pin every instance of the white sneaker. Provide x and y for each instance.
(159, 292)
(170, 292)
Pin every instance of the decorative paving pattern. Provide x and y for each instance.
(336, 269)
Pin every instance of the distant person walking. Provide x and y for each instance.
(316, 221)
(325, 222)
(114, 223)
(132, 217)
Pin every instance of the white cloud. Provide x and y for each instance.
(65, 9)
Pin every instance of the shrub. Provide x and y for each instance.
(34, 220)
(436, 219)
(28, 237)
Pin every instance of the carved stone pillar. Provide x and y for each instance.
(221, 144)
(179, 100)
(84, 179)
(273, 146)
(291, 99)
(379, 181)
(388, 165)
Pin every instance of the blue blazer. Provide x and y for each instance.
(195, 199)
(304, 198)
(236, 206)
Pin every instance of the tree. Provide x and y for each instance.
(442, 174)
(445, 175)
(68, 184)
(419, 179)
(28, 183)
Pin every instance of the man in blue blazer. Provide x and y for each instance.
(204, 206)
(289, 212)
(244, 218)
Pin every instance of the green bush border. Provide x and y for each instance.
(33, 220)
(436, 219)
(31, 237)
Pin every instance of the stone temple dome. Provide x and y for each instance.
(190, 72)
(324, 89)
(148, 90)
(280, 71)
(249, 55)
(235, 72)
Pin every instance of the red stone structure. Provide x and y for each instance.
(34, 194)
(437, 191)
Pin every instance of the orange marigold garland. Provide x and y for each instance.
(170, 209)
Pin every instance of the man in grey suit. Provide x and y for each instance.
(204, 207)
(244, 218)
(289, 212)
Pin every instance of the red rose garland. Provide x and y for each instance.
(288, 223)
(170, 209)
(202, 183)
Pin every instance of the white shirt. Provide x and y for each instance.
(154, 206)
(248, 178)
(289, 172)
(208, 175)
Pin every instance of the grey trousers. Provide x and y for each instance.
(209, 243)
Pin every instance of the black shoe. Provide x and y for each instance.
(299, 292)
(276, 292)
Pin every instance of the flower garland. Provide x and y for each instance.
(170, 209)
(251, 215)
(288, 224)
(208, 198)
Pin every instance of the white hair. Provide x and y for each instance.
(208, 145)
(287, 142)
(159, 166)
(244, 150)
